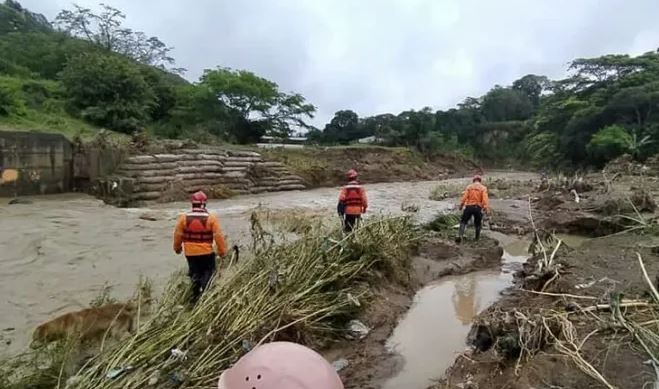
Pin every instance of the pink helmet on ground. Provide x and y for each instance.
(281, 365)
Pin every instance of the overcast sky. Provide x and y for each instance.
(376, 56)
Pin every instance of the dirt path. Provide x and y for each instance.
(59, 252)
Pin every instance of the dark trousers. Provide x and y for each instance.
(470, 211)
(201, 269)
(350, 222)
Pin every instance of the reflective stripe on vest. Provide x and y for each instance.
(354, 196)
(196, 228)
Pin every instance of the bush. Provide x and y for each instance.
(108, 91)
(11, 102)
(542, 149)
(608, 143)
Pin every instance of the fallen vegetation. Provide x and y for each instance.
(305, 291)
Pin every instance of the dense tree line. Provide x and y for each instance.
(606, 107)
(87, 64)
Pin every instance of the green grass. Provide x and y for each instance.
(35, 121)
(38, 105)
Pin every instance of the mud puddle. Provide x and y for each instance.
(434, 330)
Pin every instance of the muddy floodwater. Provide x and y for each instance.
(59, 253)
(433, 332)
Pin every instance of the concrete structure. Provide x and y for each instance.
(167, 177)
(38, 163)
(34, 163)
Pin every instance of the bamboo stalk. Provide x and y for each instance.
(655, 294)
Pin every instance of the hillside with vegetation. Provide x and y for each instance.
(85, 70)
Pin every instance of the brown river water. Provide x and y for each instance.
(60, 252)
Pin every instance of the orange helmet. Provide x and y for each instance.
(352, 174)
(478, 178)
(199, 198)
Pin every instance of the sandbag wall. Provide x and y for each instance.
(153, 177)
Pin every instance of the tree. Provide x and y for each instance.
(639, 102)
(197, 112)
(543, 149)
(105, 30)
(380, 126)
(108, 90)
(415, 127)
(608, 143)
(532, 86)
(505, 104)
(343, 128)
(258, 102)
(15, 18)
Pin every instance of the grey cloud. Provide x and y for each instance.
(375, 56)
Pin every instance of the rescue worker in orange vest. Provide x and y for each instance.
(474, 202)
(194, 235)
(352, 202)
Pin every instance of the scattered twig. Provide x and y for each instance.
(549, 281)
(565, 295)
(655, 294)
(570, 348)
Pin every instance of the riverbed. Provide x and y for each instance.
(60, 252)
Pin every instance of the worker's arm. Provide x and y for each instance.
(218, 236)
(486, 201)
(364, 200)
(342, 194)
(178, 234)
(341, 205)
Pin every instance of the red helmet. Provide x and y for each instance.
(352, 174)
(199, 198)
(478, 178)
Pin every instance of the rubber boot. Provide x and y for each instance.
(478, 233)
(461, 233)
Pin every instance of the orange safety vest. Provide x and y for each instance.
(353, 197)
(197, 229)
(195, 232)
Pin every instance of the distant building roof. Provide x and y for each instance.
(292, 138)
(369, 139)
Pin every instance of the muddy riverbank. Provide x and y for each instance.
(60, 252)
(584, 316)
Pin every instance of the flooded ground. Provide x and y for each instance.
(58, 253)
(434, 330)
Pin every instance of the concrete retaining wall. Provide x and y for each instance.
(40, 163)
(34, 163)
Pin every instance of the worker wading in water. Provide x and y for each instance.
(474, 202)
(194, 235)
(352, 202)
